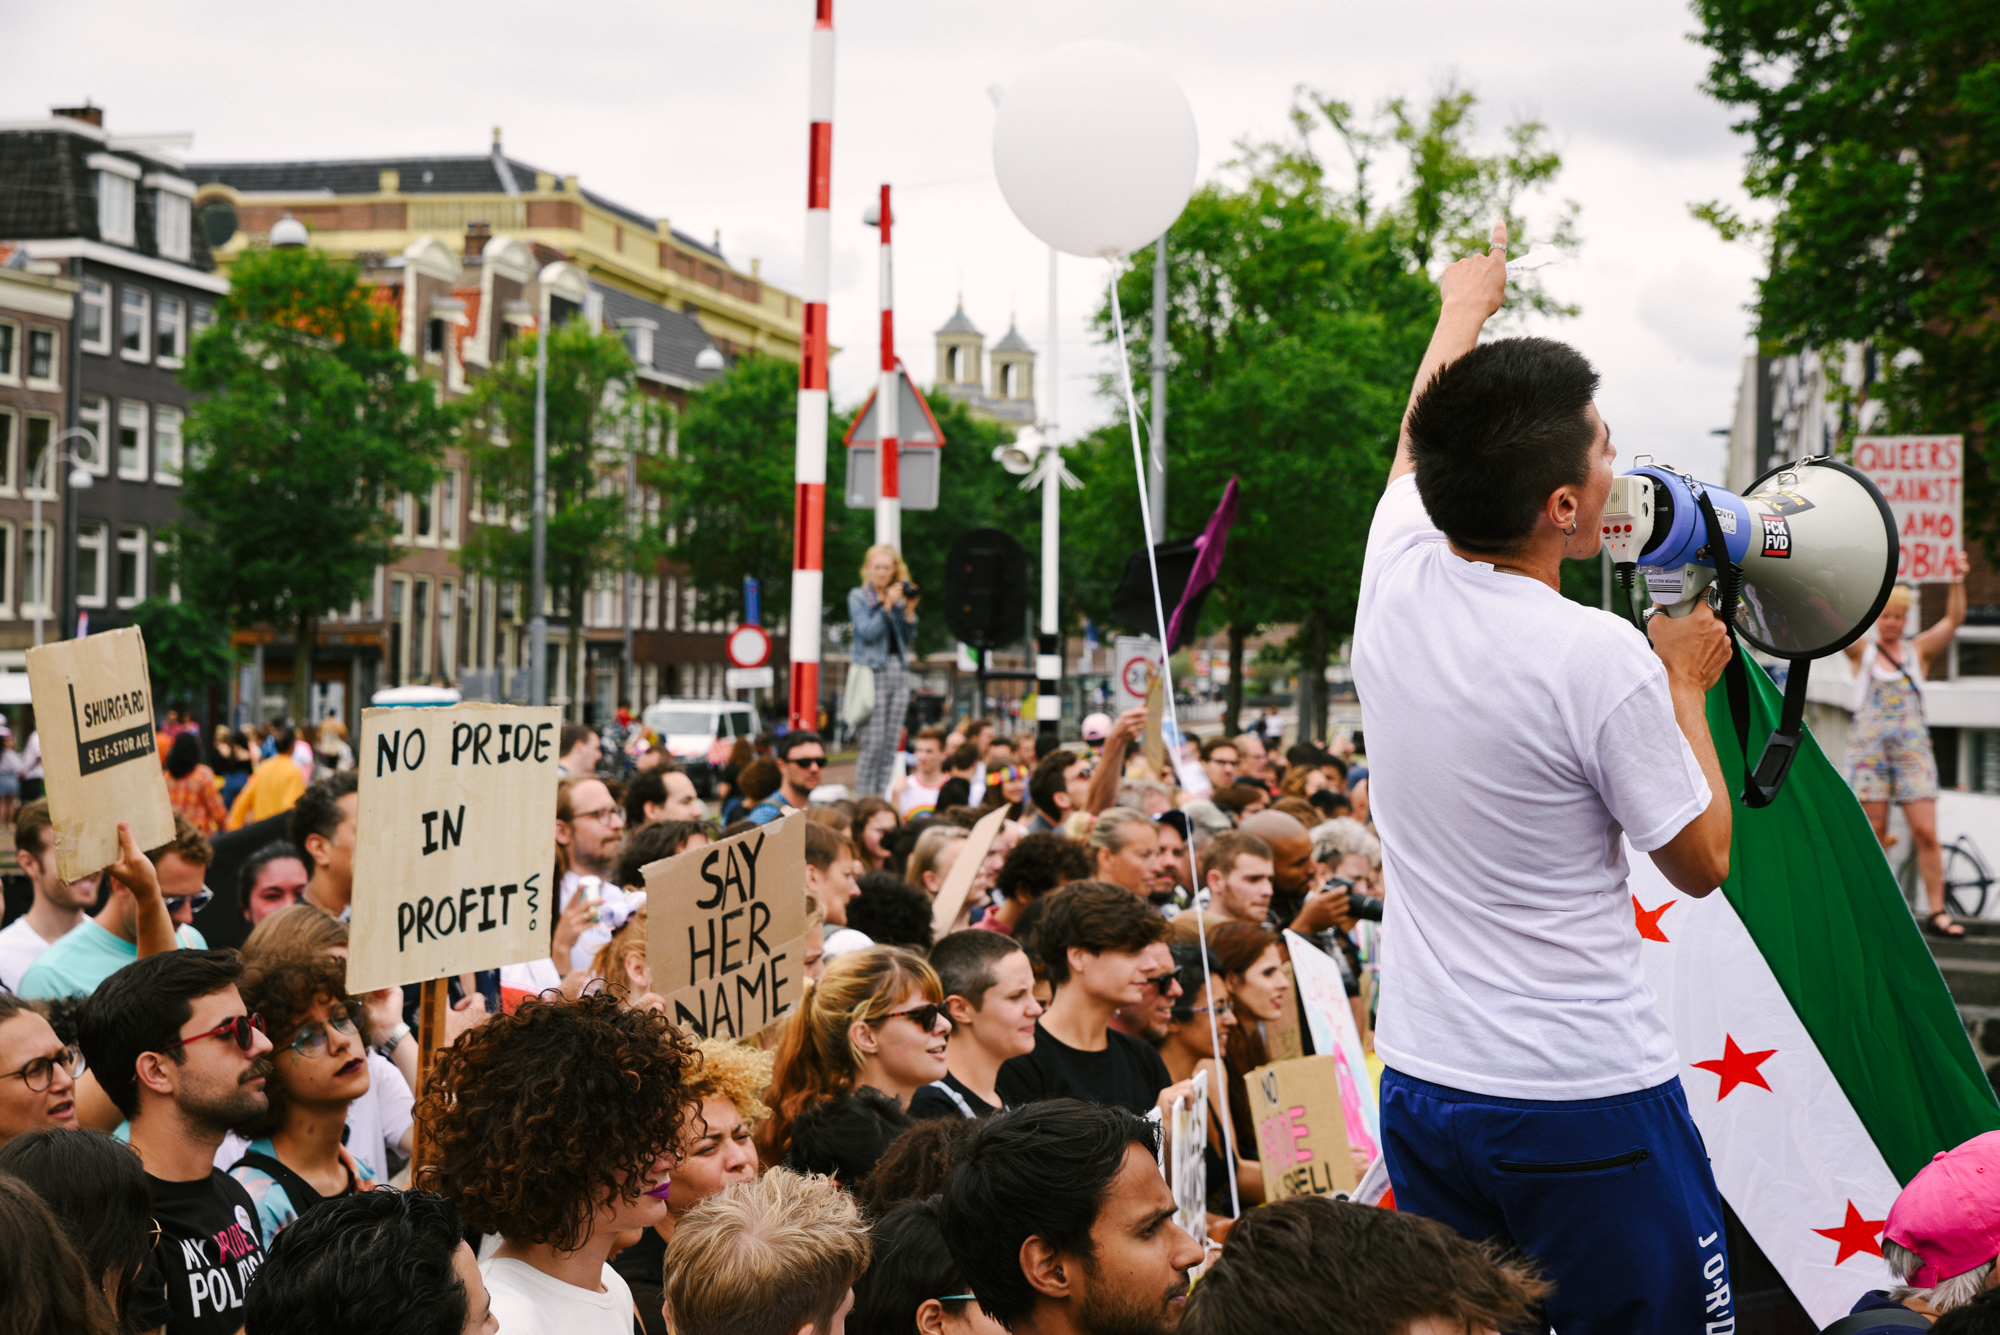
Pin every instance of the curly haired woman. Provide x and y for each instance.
(556, 1127)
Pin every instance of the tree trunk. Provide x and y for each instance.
(1232, 691)
(1312, 642)
(302, 671)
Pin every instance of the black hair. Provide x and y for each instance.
(1041, 1170)
(1981, 1316)
(650, 843)
(1192, 977)
(1040, 863)
(964, 962)
(1330, 804)
(1093, 916)
(141, 1008)
(262, 858)
(1048, 780)
(646, 786)
(911, 1265)
(318, 811)
(97, 1191)
(286, 738)
(378, 1261)
(183, 755)
(791, 741)
(1497, 431)
(891, 912)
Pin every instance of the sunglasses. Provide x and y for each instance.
(806, 762)
(1163, 982)
(239, 1028)
(40, 1073)
(197, 901)
(924, 1017)
(311, 1040)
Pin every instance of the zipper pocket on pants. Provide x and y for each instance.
(1625, 1160)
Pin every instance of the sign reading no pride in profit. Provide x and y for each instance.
(454, 849)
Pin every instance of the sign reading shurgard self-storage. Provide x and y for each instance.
(454, 842)
(94, 708)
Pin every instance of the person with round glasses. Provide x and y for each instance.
(37, 1072)
(319, 1065)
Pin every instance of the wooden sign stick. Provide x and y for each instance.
(433, 1005)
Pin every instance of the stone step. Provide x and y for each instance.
(1973, 982)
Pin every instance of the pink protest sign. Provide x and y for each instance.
(1923, 479)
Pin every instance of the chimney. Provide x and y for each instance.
(476, 236)
(389, 180)
(87, 113)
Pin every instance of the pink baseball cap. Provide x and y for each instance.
(1950, 1213)
(1096, 727)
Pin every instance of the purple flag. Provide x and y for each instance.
(1208, 564)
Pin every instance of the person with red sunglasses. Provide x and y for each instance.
(173, 1046)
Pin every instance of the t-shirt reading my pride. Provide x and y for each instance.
(1513, 735)
(209, 1248)
(1127, 1073)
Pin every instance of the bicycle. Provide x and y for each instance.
(1967, 880)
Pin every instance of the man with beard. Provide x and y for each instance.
(1149, 1019)
(1059, 1220)
(590, 828)
(170, 1041)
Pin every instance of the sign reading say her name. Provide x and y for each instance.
(94, 707)
(454, 841)
(725, 929)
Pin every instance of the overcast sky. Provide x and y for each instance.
(697, 113)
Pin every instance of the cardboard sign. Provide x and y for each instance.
(958, 883)
(1187, 1177)
(725, 929)
(1301, 1132)
(1323, 997)
(454, 841)
(1923, 479)
(94, 708)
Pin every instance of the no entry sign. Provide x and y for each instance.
(1923, 479)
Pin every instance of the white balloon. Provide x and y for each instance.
(1095, 149)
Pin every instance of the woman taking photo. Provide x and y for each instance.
(871, 1034)
(1889, 745)
(883, 612)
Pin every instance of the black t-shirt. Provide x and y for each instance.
(844, 1136)
(1128, 1073)
(930, 1101)
(209, 1248)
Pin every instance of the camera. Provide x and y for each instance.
(910, 588)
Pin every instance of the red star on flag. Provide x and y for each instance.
(1737, 1067)
(1649, 921)
(1855, 1235)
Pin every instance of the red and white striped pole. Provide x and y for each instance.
(809, 510)
(889, 489)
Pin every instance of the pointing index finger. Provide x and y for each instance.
(1500, 238)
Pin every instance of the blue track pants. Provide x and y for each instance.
(1611, 1198)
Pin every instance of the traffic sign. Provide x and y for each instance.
(748, 679)
(749, 647)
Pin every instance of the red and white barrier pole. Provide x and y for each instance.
(889, 486)
(809, 510)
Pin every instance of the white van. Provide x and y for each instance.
(691, 728)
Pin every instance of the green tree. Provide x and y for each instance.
(596, 423)
(187, 649)
(308, 424)
(1297, 312)
(1873, 128)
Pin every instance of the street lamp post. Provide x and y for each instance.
(79, 480)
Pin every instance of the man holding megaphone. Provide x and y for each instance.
(1516, 740)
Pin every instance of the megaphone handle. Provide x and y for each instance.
(1760, 788)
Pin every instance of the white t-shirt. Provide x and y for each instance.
(20, 946)
(1512, 736)
(531, 1303)
(379, 1118)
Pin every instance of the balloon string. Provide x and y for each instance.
(1215, 1046)
(1146, 519)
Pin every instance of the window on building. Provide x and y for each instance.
(134, 304)
(204, 316)
(167, 444)
(172, 218)
(44, 358)
(10, 431)
(399, 636)
(39, 431)
(448, 507)
(420, 629)
(93, 316)
(434, 337)
(116, 204)
(89, 564)
(170, 330)
(93, 414)
(132, 440)
(6, 572)
(35, 588)
(447, 628)
(10, 351)
(131, 567)
(425, 521)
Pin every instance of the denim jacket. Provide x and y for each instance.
(873, 625)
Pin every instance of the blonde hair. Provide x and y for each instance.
(731, 1071)
(1899, 598)
(924, 857)
(765, 1257)
(902, 568)
(333, 728)
(300, 929)
(816, 1057)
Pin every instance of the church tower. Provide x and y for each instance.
(961, 354)
(962, 371)
(1013, 369)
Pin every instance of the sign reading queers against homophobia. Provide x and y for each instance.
(94, 706)
(725, 929)
(454, 849)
